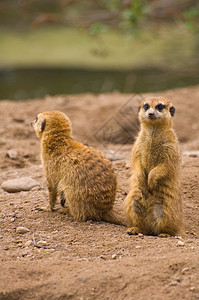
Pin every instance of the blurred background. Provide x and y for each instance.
(53, 47)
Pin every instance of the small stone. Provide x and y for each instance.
(140, 234)
(28, 243)
(192, 288)
(180, 243)
(12, 154)
(116, 157)
(102, 257)
(114, 256)
(12, 220)
(173, 283)
(24, 253)
(137, 247)
(18, 120)
(185, 270)
(41, 244)
(193, 155)
(5, 248)
(22, 230)
(19, 184)
(13, 214)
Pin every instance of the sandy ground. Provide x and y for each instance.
(94, 260)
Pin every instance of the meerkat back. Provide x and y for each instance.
(85, 180)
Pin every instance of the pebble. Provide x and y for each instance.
(24, 253)
(12, 154)
(28, 243)
(18, 120)
(13, 214)
(185, 270)
(12, 220)
(192, 288)
(114, 256)
(174, 283)
(137, 247)
(140, 234)
(191, 153)
(41, 244)
(22, 229)
(19, 184)
(180, 243)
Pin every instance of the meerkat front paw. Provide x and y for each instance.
(152, 181)
(133, 230)
(45, 208)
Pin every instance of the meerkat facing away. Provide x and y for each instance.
(79, 174)
(153, 205)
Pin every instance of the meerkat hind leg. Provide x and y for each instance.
(62, 199)
(164, 235)
(64, 210)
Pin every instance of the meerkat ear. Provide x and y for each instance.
(172, 110)
(43, 124)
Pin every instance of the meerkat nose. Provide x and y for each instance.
(151, 114)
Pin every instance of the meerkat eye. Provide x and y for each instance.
(160, 107)
(146, 106)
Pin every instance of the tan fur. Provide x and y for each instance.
(83, 177)
(153, 205)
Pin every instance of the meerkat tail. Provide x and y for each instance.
(113, 217)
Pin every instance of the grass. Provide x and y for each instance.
(68, 47)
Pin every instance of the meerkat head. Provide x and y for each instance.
(51, 122)
(156, 110)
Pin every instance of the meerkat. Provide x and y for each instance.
(79, 174)
(153, 205)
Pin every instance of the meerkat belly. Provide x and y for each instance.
(151, 157)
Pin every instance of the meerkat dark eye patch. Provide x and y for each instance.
(146, 106)
(160, 106)
(172, 111)
(43, 124)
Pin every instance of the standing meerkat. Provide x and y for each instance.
(79, 174)
(153, 205)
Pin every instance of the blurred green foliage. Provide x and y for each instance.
(125, 14)
(100, 20)
(191, 17)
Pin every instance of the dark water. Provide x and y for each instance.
(17, 84)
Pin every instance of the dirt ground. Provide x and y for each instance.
(94, 260)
